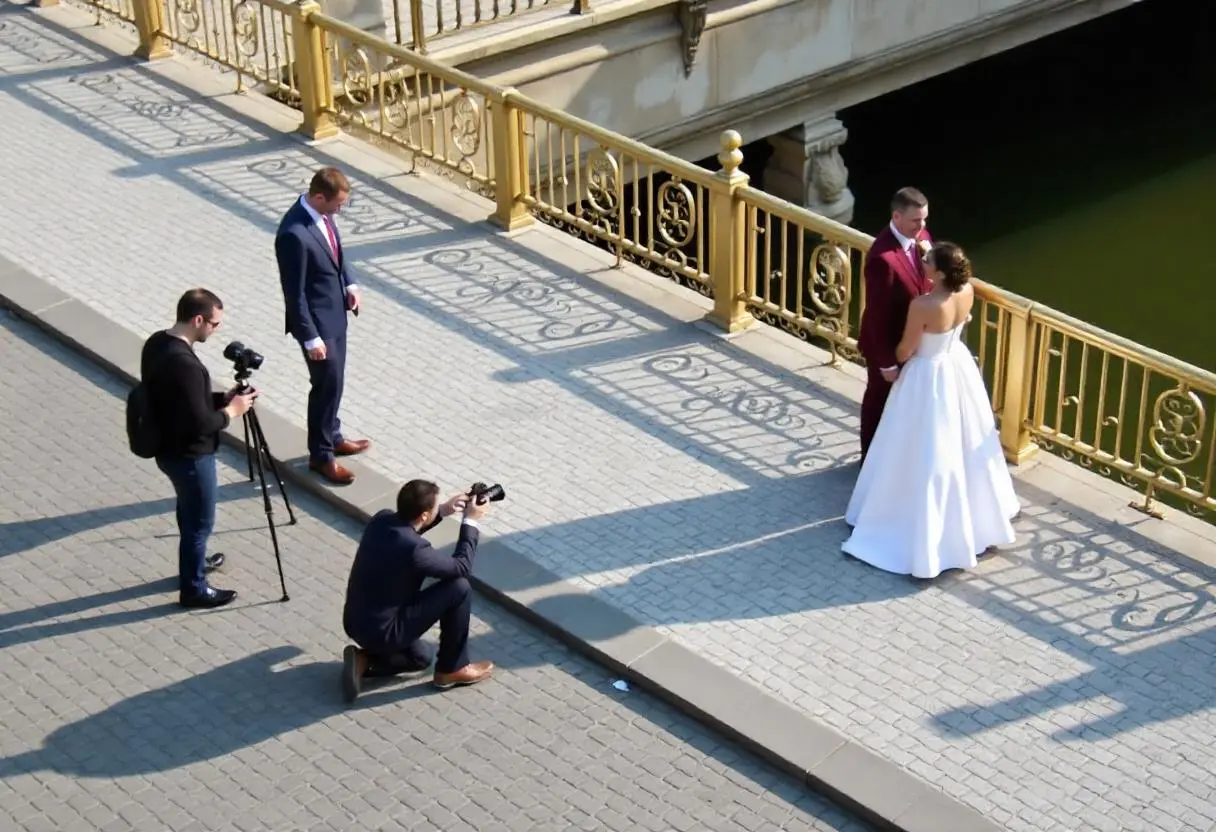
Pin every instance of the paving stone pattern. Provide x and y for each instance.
(123, 712)
(1066, 684)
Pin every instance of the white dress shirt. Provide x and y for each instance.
(319, 221)
(906, 243)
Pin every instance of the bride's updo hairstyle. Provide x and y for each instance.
(950, 261)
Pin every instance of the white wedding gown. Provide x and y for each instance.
(934, 491)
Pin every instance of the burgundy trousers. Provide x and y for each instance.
(872, 404)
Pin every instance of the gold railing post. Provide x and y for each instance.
(150, 23)
(416, 27)
(580, 7)
(728, 238)
(509, 161)
(42, 4)
(1015, 435)
(313, 73)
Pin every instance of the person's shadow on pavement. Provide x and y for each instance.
(231, 707)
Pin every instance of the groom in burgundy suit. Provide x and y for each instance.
(894, 275)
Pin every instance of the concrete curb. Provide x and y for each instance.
(873, 787)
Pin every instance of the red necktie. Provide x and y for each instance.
(333, 238)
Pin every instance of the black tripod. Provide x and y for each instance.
(257, 450)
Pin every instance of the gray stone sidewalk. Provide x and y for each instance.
(1064, 685)
(123, 712)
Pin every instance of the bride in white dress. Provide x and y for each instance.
(934, 491)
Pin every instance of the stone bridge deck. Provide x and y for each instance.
(695, 483)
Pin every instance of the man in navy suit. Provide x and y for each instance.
(318, 292)
(387, 612)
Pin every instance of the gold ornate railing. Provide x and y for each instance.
(418, 22)
(644, 205)
(1058, 383)
(1119, 407)
(799, 275)
(252, 38)
(121, 9)
(439, 116)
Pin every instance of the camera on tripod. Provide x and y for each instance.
(243, 358)
(483, 493)
(257, 453)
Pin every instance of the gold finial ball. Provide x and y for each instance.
(730, 157)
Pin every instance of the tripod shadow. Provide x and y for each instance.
(22, 535)
(10, 635)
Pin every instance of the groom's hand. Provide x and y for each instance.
(890, 374)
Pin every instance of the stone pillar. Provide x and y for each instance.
(807, 169)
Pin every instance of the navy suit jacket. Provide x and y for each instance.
(314, 281)
(390, 565)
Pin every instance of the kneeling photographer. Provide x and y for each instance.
(187, 418)
(387, 611)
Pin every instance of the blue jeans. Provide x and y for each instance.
(196, 482)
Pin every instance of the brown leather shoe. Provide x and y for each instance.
(354, 666)
(332, 471)
(470, 674)
(350, 447)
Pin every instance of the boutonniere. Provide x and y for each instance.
(924, 246)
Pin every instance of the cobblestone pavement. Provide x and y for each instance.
(123, 712)
(1064, 685)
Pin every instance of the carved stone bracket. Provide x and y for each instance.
(807, 168)
(692, 22)
(827, 177)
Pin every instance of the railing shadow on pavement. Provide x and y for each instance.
(190, 135)
(1143, 617)
(1097, 592)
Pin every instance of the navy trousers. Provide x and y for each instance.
(448, 603)
(326, 379)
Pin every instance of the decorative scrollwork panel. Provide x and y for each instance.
(605, 194)
(431, 121)
(1123, 418)
(801, 281)
(248, 37)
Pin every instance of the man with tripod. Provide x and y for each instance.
(189, 417)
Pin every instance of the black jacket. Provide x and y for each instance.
(190, 416)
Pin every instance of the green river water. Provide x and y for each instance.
(1078, 171)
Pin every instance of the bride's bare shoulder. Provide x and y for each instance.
(930, 301)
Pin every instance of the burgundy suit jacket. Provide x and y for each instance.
(891, 284)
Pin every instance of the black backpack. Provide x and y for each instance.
(143, 433)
